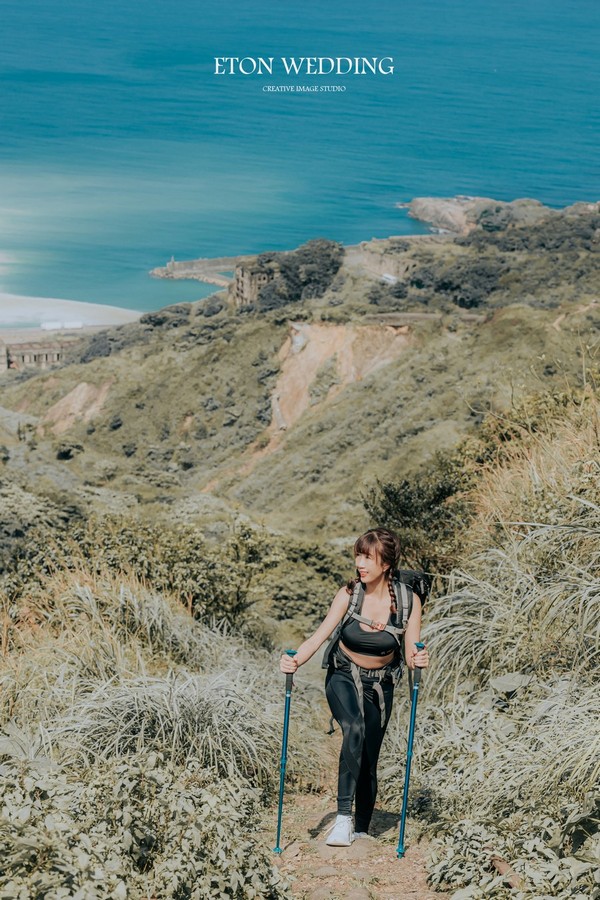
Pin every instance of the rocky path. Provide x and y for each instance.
(367, 870)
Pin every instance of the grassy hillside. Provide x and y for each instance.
(175, 416)
(180, 495)
(138, 748)
(508, 739)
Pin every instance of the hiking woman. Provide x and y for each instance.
(362, 659)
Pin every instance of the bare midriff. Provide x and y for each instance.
(365, 661)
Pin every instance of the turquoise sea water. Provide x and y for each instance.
(119, 147)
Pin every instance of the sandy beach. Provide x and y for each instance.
(51, 314)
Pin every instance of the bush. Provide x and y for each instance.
(427, 511)
(102, 668)
(133, 829)
(214, 582)
(168, 317)
(507, 736)
(301, 274)
(98, 346)
(432, 511)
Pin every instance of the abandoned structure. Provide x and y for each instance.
(250, 277)
(24, 355)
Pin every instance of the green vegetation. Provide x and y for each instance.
(215, 582)
(160, 536)
(300, 274)
(431, 511)
(245, 580)
(542, 265)
(162, 418)
(509, 720)
(130, 828)
(427, 511)
(138, 747)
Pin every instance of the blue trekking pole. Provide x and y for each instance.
(286, 723)
(411, 735)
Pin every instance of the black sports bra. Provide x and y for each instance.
(372, 643)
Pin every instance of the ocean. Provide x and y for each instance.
(120, 147)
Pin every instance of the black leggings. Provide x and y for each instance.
(362, 738)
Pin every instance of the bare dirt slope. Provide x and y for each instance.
(352, 352)
(82, 403)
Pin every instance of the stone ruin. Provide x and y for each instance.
(38, 354)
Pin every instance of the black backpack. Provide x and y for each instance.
(404, 582)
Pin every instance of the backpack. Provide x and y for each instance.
(404, 583)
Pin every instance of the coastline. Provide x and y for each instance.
(35, 315)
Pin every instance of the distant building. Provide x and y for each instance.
(40, 354)
(250, 277)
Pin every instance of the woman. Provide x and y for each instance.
(360, 684)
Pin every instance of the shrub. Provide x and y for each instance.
(133, 829)
(300, 274)
(507, 736)
(168, 317)
(212, 581)
(102, 668)
(432, 510)
(427, 511)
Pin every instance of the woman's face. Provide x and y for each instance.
(368, 565)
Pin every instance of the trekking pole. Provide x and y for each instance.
(286, 722)
(411, 734)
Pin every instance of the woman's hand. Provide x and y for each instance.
(288, 664)
(418, 659)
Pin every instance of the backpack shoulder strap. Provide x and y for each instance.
(404, 602)
(404, 599)
(392, 629)
(354, 603)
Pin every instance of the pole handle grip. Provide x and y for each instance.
(417, 673)
(289, 679)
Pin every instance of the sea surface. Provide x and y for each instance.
(120, 147)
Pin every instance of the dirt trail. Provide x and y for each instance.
(367, 870)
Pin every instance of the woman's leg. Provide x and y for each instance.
(366, 787)
(342, 697)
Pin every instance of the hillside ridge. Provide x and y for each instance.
(202, 406)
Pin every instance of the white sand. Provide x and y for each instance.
(51, 314)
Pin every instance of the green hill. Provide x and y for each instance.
(204, 411)
(176, 501)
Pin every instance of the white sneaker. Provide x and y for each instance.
(341, 833)
(361, 834)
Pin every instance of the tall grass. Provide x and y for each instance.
(136, 746)
(230, 722)
(108, 668)
(508, 733)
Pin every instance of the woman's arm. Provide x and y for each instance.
(310, 646)
(413, 656)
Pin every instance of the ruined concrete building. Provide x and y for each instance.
(23, 355)
(250, 277)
